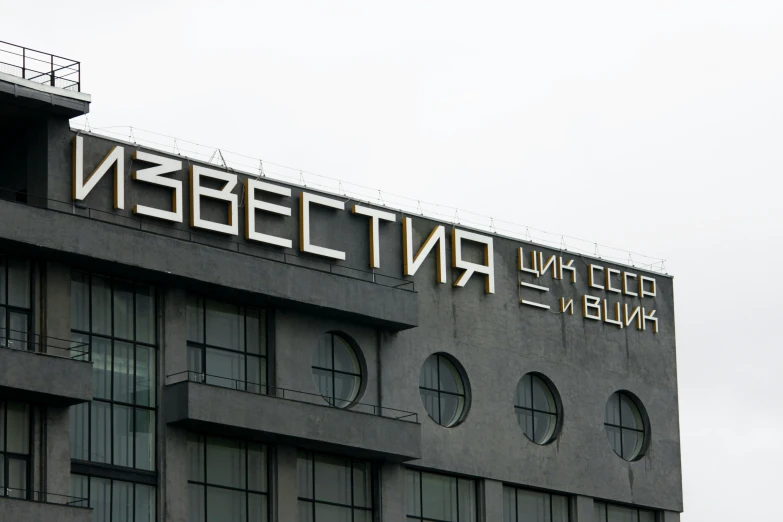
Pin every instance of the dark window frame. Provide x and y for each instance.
(310, 455)
(246, 490)
(203, 346)
(549, 498)
(638, 511)
(533, 410)
(463, 395)
(422, 518)
(642, 432)
(334, 400)
(87, 501)
(6, 455)
(112, 402)
(8, 309)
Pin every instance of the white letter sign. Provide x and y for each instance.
(224, 194)
(412, 263)
(153, 175)
(82, 188)
(252, 204)
(375, 244)
(487, 269)
(304, 225)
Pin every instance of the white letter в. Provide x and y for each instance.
(304, 225)
(154, 175)
(487, 269)
(82, 188)
(224, 194)
(251, 185)
(375, 243)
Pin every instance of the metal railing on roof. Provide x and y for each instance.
(40, 67)
(291, 395)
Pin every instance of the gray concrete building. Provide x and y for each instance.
(183, 342)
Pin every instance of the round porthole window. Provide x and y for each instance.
(627, 425)
(337, 369)
(537, 405)
(444, 389)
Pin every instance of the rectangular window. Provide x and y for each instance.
(226, 345)
(227, 480)
(440, 498)
(334, 488)
(115, 321)
(114, 500)
(610, 513)
(14, 449)
(524, 505)
(15, 303)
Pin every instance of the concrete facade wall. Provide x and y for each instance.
(495, 338)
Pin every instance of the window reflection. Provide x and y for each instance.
(333, 488)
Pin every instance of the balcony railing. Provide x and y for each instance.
(40, 67)
(43, 497)
(28, 342)
(291, 395)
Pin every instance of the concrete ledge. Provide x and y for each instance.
(44, 379)
(13, 509)
(226, 412)
(36, 95)
(283, 284)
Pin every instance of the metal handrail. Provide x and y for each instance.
(15, 60)
(44, 497)
(47, 345)
(79, 210)
(293, 395)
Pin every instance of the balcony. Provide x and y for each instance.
(40, 370)
(35, 506)
(288, 416)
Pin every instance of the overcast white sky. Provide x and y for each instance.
(656, 126)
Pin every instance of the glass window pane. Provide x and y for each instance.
(145, 314)
(225, 326)
(613, 434)
(646, 516)
(612, 415)
(3, 286)
(256, 467)
(630, 413)
(524, 397)
(145, 503)
(450, 379)
(323, 352)
(225, 462)
(362, 515)
(257, 508)
(100, 431)
(332, 513)
(225, 504)
(80, 425)
(122, 501)
(195, 319)
(195, 366)
(559, 508)
(123, 436)
(632, 442)
(542, 396)
(509, 503)
(345, 389)
(532, 505)
(3, 332)
(525, 421)
(18, 282)
(196, 499)
(17, 478)
(305, 510)
(2, 426)
(100, 499)
(17, 428)
(439, 497)
(123, 310)
(80, 346)
(101, 305)
(80, 301)
(413, 492)
(362, 496)
(256, 371)
(101, 367)
(544, 427)
(145, 376)
(304, 472)
(428, 378)
(256, 337)
(467, 500)
(600, 512)
(332, 480)
(323, 380)
(344, 356)
(450, 408)
(18, 331)
(226, 369)
(195, 457)
(123, 372)
(620, 514)
(79, 490)
(145, 439)
(431, 404)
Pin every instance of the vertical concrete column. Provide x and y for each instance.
(57, 296)
(173, 442)
(491, 500)
(582, 509)
(670, 516)
(392, 489)
(58, 453)
(287, 486)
